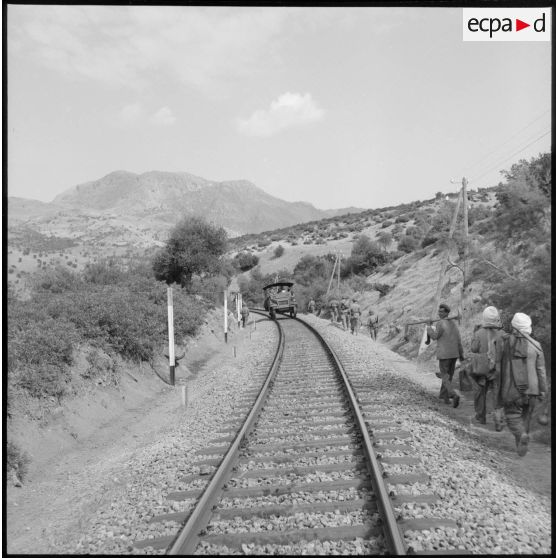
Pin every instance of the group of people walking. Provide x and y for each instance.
(348, 312)
(507, 368)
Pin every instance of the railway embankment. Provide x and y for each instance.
(99, 496)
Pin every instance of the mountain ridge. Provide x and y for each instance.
(162, 198)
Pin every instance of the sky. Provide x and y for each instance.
(339, 107)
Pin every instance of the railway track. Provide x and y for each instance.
(304, 462)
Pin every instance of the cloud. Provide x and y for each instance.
(163, 117)
(287, 111)
(131, 113)
(203, 47)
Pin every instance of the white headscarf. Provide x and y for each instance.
(522, 323)
(490, 317)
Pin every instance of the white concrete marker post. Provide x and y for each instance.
(225, 316)
(171, 334)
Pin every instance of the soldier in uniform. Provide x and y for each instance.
(344, 310)
(354, 312)
(334, 309)
(372, 324)
(311, 306)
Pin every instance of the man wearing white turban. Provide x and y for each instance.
(522, 379)
(485, 345)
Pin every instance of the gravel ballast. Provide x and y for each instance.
(493, 513)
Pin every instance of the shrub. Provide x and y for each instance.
(105, 272)
(401, 219)
(128, 317)
(245, 261)
(45, 381)
(387, 224)
(385, 239)
(279, 251)
(428, 240)
(382, 288)
(17, 460)
(413, 232)
(407, 244)
(366, 256)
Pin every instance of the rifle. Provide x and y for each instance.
(458, 318)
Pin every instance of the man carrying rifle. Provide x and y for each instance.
(448, 350)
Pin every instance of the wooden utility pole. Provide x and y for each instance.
(332, 276)
(465, 231)
(444, 264)
(338, 272)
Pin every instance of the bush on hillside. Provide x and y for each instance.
(428, 241)
(17, 460)
(366, 256)
(387, 223)
(279, 251)
(407, 244)
(413, 232)
(245, 261)
(128, 318)
(382, 288)
(385, 239)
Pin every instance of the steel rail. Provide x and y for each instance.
(395, 542)
(187, 538)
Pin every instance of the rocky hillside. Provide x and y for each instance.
(158, 200)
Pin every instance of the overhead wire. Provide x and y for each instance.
(510, 156)
(514, 135)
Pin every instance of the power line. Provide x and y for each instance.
(512, 155)
(490, 165)
(472, 165)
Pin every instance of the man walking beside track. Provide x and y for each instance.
(448, 350)
(485, 346)
(311, 306)
(344, 311)
(372, 324)
(244, 312)
(522, 379)
(334, 309)
(354, 312)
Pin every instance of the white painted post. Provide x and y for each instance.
(238, 310)
(171, 333)
(225, 328)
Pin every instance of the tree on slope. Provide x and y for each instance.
(194, 247)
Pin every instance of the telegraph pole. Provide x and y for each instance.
(465, 231)
(338, 272)
(444, 264)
